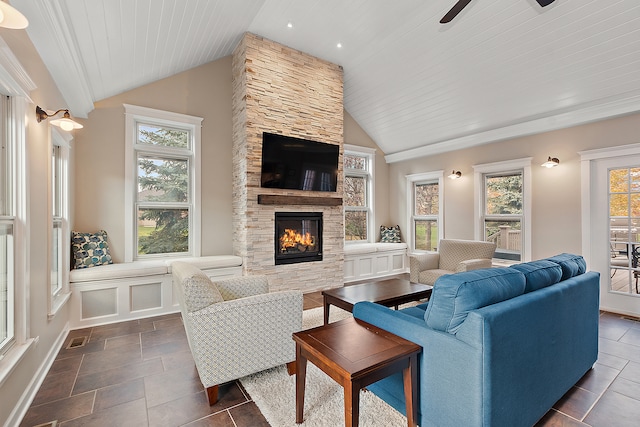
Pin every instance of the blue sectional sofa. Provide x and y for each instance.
(500, 345)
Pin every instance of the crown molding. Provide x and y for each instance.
(55, 43)
(606, 109)
(14, 79)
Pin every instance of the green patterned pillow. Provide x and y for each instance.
(390, 234)
(90, 249)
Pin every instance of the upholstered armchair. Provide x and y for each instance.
(234, 326)
(453, 256)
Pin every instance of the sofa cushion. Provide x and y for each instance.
(198, 290)
(539, 274)
(455, 295)
(572, 265)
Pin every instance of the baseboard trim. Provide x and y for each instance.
(20, 410)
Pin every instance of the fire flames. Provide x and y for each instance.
(291, 239)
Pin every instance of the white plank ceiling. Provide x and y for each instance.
(502, 68)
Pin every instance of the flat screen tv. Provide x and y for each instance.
(298, 164)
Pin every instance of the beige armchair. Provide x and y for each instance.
(234, 326)
(453, 256)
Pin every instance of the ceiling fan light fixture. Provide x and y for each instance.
(544, 3)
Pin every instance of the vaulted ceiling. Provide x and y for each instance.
(500, 69)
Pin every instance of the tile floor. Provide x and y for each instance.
(140, 373)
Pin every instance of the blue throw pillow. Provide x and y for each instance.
(390, 234)
(539, 274)
(455, 295)
(572, 265)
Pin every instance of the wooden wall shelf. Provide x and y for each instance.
(274, 199)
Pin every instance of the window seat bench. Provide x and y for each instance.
(374, 260)
(134, 290)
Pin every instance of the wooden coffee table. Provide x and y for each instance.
(355, 354)
(390, 293)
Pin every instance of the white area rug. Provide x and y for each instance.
(274, 392)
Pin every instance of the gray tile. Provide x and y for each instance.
(614, 410)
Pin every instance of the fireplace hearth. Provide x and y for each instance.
(298, 237)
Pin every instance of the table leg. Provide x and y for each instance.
(301, 374)
(326, 311)
(351, 404)
(410, 376)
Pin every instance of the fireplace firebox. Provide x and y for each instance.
(298, 237)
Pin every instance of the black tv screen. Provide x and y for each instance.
(298, 164)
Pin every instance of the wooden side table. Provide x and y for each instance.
(356, 354)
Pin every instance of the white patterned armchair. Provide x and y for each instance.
(453, 256)
(234, 326)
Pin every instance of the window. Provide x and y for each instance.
(358, 194)
(425, 208)
(60, 234)
(505, 208)
(624, 218)
(163, 181)
(7, 219)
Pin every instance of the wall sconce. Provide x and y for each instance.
(11, 18)
(65, 122)
(455, 174)
(551, 162)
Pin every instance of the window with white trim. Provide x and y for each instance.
(60, 234)
(358, 194)
(163, 183)
(504, 207)
(425, 210)
(7, 220)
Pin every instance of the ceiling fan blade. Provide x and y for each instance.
(455, 10)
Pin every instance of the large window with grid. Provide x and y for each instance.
(358, 194)
(163, 163)
(425, 210)
(505, 211)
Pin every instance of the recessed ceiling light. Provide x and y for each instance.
(339, 45)
(289, 24)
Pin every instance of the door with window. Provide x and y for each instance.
(615, 228)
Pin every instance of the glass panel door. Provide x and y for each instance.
(624, 224)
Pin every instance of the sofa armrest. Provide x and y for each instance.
(394, 321)
(473, 264)
(421, 262)
(241, 287)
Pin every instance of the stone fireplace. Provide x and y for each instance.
(280, 90)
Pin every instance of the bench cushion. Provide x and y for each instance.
(118, 271)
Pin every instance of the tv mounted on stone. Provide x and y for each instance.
(298, 164)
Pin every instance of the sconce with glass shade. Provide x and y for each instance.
(551, 162)
(11, 18)
(65, 123)
(455, 174)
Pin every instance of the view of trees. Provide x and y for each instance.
(163, 189)
(504, 195)
(355, 196)
(427, 203)
(624, 189)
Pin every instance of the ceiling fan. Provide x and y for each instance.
(461, 4)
